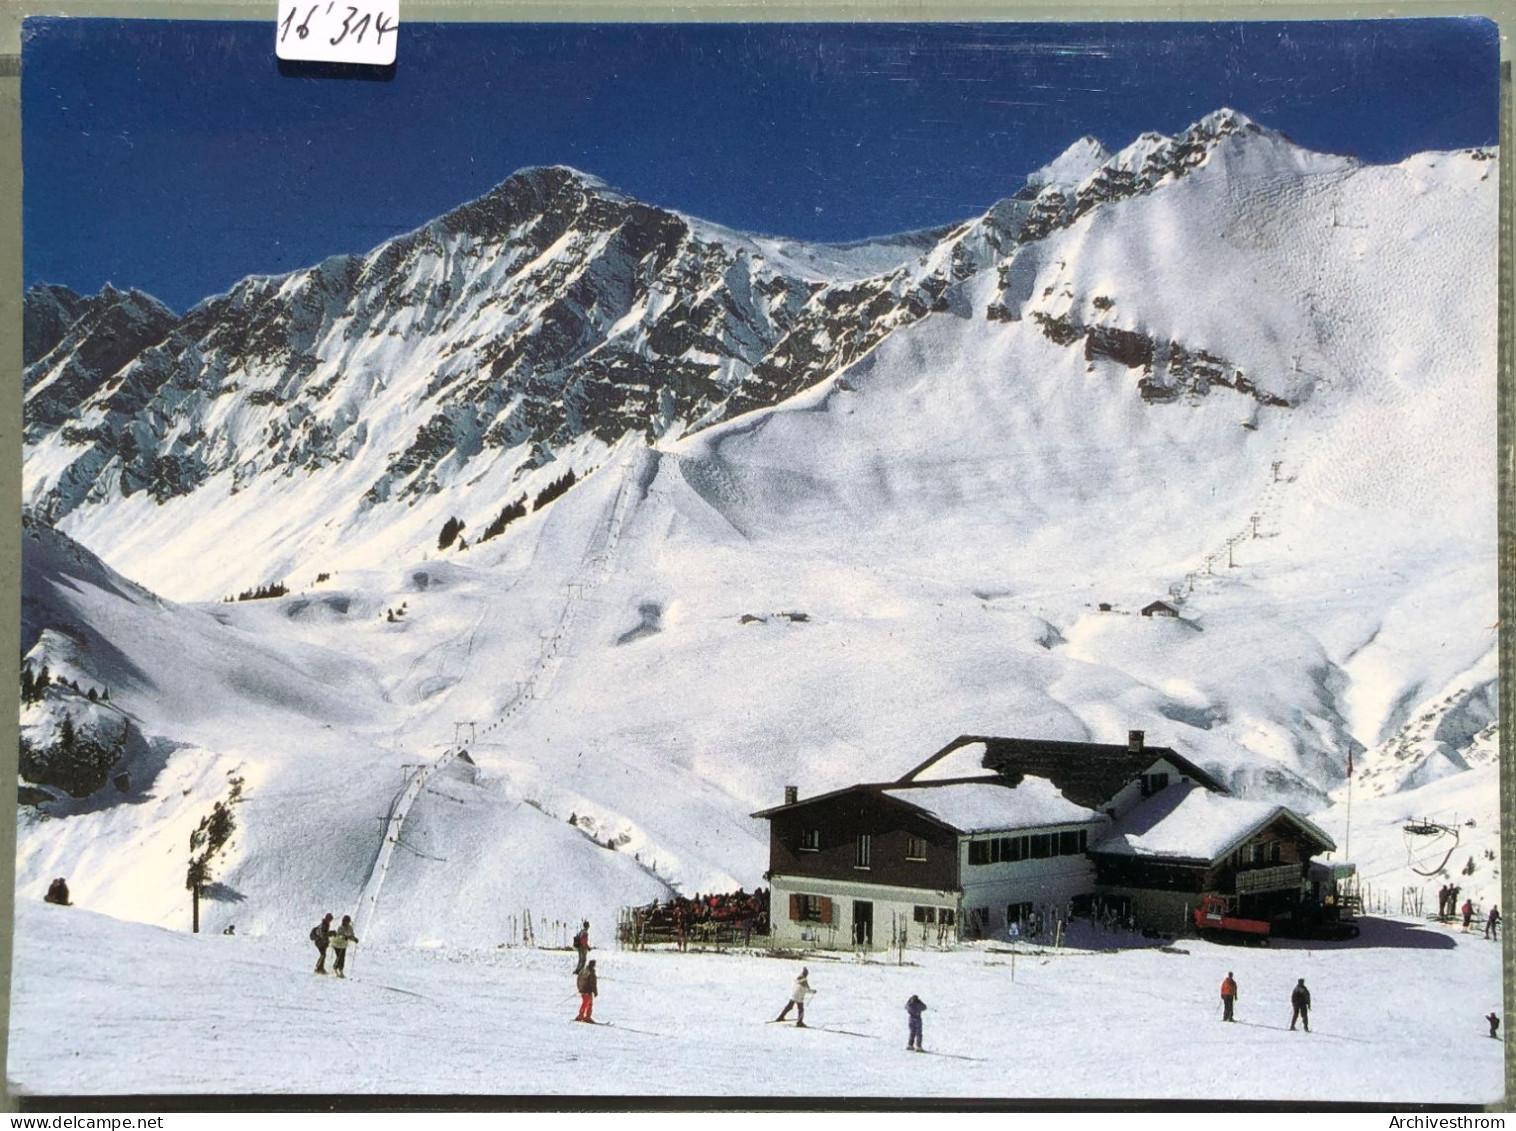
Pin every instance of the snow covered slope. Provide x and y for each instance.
(1397, 1017)
(318, 736)
(1217, 370)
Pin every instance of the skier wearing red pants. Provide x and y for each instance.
(588, 988)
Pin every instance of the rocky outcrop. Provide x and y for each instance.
(108, 332)
(47, 311)
(1168, 370)
(1446, 734)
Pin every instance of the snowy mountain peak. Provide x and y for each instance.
(1073, 165)
(1087, 175)
(556, 173)
(1134, 156)
(87, 342)
(1224, 121)
(550, 179)
(48, 311)
(1192, 146)
(539, 190)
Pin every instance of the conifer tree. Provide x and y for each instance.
(507, 516)
(554, 489)
(450, 531)
(210, 836)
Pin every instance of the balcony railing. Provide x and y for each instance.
(1280, 877)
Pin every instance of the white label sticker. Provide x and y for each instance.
(338, 31)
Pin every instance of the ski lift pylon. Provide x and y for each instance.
(1415, 830)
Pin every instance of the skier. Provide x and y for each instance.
(1300, 1006)
(1228, 996)
(582, 946)
(1468, 913)
(800, 992)
(1492, 924)
(340, 939)
(1494, 1020)
(321, 935)
(57, 892)
(914, 1008)
(588, 989)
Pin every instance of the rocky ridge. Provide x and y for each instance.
(501, 337)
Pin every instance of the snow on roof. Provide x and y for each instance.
(982, 806)
(1191, 822)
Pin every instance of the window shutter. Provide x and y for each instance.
(826, 910)
(795, 909)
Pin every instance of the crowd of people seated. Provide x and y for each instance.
(718, 916)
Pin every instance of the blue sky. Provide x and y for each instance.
(172, 156)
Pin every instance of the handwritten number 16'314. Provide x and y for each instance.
(352, 24)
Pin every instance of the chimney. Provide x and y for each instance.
(791, 794)
(1134, 741)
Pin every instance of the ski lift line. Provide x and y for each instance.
(547, 664)
(400, 808)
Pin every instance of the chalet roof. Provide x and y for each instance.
(1159, 607)
(1087, 773)
(1188, 822)
(989, 804)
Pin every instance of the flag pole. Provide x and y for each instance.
(1347, 846)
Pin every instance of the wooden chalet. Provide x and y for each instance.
(1159, 609)
(1163, 854)
(991, 832)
